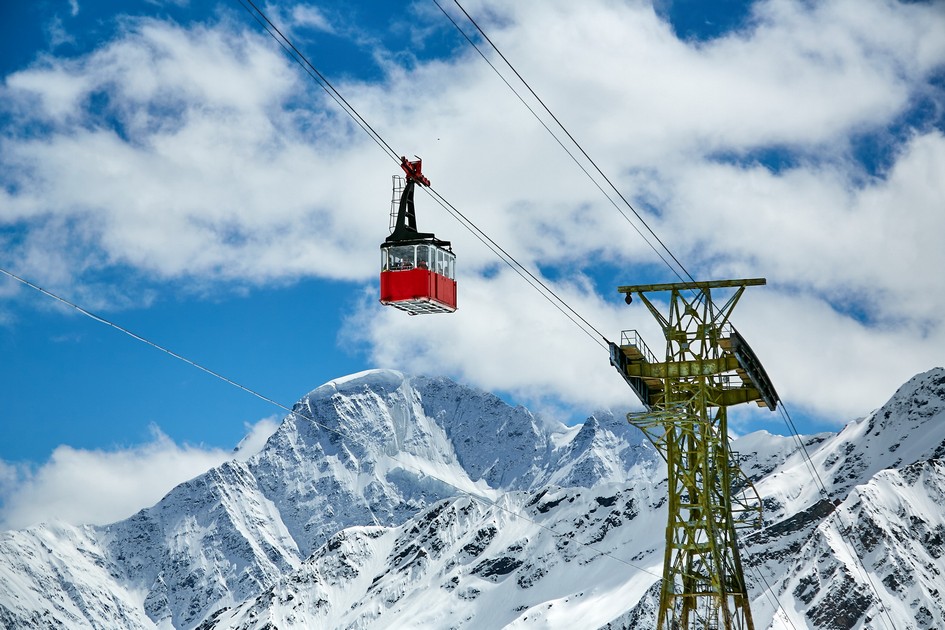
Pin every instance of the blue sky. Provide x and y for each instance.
(170, 169)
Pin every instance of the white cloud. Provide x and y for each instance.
(310, 16)
(505, 337)
(103, 486)
(205, 174)
(57, 34)
(256, 437)
(829, 363)
(802, 75)
(213, 158)
(809, 77)
(877, 243)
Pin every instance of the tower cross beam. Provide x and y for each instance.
(707, 368)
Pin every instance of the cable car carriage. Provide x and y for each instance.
(417, 269)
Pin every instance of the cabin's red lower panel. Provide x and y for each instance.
(418, 291)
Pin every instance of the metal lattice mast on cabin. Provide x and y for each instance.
(708, 367)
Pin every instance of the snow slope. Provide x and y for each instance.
(867, 552)
(392, 501)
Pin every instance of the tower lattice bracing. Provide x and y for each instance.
(707, 368)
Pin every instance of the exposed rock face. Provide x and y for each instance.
(389, 501)
(884, 481)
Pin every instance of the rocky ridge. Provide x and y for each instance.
(391, 501)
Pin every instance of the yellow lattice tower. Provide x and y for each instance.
(708, 367)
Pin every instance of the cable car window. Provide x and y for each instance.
(450, 260)
(401, 258)
(423, 257)
(441, 262)
(445, 264)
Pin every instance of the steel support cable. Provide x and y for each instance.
(521, 270)
(770, 596)
(802, 449)
(682, 267)
(788, 420)
(822, 489)
(558, 140)
(312, 71)
(864, 572)
(572, 139)
(294, 412)
(319, 78)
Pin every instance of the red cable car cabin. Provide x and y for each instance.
(418, 277)
(417, 269)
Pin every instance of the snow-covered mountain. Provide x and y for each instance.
(884, 477)
(388, 501)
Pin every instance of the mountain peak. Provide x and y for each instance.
(378, 379)
(918, 400)
(431, 504)
(908, 428)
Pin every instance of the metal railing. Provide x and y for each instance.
(633, 338)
